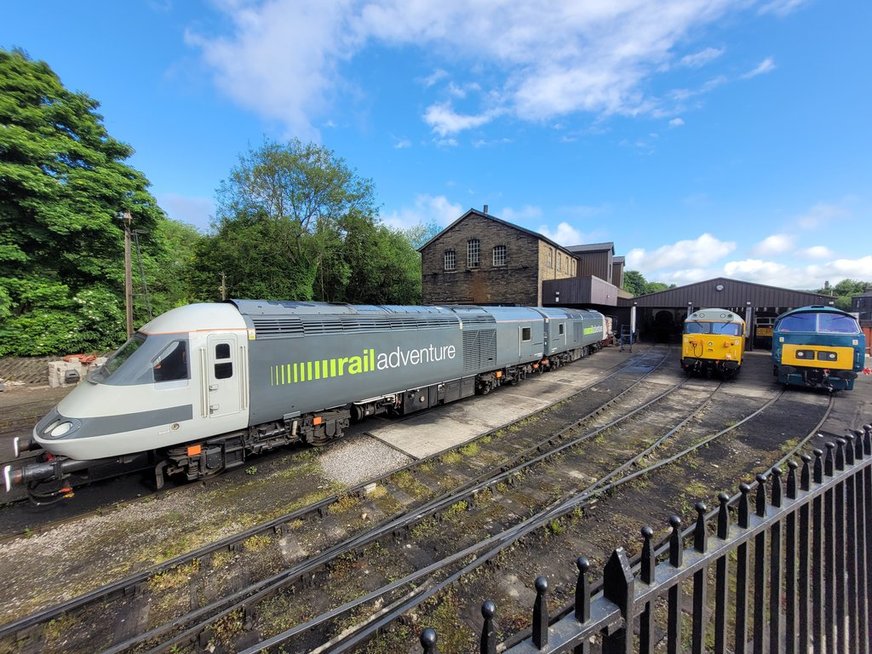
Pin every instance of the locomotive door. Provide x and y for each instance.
(223, 372)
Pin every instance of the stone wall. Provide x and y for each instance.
(518, 282)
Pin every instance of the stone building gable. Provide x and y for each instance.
(519, 281)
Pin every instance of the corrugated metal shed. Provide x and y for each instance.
(726, 293)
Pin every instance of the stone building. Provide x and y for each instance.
(481, 259)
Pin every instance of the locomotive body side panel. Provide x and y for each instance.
(295, 375)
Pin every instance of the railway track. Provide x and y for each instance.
(126, 586)
(416, 587)
(467, 561)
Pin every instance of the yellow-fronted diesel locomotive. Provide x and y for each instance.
(713, 341)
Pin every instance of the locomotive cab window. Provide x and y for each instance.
(560, 329)
(836, 324)
(172, 363)
(800, 322)
(222, 351)
(526, 333)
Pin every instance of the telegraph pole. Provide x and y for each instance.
(127, 219)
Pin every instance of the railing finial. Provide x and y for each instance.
(818, 466)
(540, 613)
(760, 502)
(428, 640)
(829, 462)
(582, 590)
(849, 448)
(791, 479)
(723, 515)
(700, 534)
(488, 644)
(805, 476)
(744, 508)
(676, 551)
(649, 563)
(776, 487)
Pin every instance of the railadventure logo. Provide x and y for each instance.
(365, 362)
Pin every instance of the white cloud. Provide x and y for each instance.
(193, 210)
(839, 269)
(759, 271)
(700, 252)
(425, 209)
(676, 122)
(816, 252)
(765, 66)
(774, 244)
(565, 234)
(401, 144)
(799, 277)
(781, 7)
(701, 58)
(444, 120)
(282, 58)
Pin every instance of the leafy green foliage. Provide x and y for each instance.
(635, 283)
(295, 223)
(62, 181)
(844, 291)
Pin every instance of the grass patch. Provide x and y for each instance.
(344, 504)
(456, 509)
(257, 542)
(451, 458)
(174, 577)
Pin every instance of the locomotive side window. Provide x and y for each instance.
(223, 370)
(560, 329)
(172, 363)
(526, 333)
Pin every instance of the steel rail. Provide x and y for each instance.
(134, 580)
(537, 521)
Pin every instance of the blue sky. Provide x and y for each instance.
(704, 138)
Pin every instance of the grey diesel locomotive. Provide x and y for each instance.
(199, 388)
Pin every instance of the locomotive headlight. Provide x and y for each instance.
(61, 430)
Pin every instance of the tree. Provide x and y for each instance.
(62, 181)
(844, 291)
(295, 223)
(635, 283)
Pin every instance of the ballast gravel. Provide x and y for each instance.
(357, 459)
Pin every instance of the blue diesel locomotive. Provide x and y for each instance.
(818, 347)
(201, 387)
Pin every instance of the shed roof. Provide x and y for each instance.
(593, 247)
(724, 292)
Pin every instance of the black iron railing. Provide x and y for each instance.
(791, 573)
